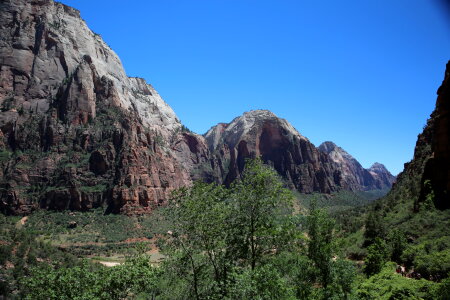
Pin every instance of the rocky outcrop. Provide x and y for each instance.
(426, 177)
(304, 167)
(76, 132)
(354, 176)
(260, 133)
(435, 180)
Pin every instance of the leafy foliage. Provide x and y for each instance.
(244, 243)
(86, 281)
(377, 255)
(320, 244)
(241, 242)
(389, 285)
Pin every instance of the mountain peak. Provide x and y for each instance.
(260, 113)
(327, 147)
(335, 152)
(243, 124)
(379, 166)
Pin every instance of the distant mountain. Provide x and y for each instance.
(76, 132)
(304, 167)
(382, 176)
(354, 176)
(262, 133)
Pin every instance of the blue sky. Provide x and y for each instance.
(363, 74)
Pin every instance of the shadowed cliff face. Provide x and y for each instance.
(427, 175)
(76, 132)
(436, 174)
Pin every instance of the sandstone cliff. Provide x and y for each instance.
(261, 133)
(76, 132)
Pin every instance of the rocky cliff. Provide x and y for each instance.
(426, 177)
(76, 132)
(354, 176)
(305, 168)
(260, 133)
(435, 179)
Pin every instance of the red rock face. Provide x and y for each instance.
(75, 131)
(262, 134)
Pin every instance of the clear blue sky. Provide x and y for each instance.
(363, 74)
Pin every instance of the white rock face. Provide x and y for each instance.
(341, 157)
(241, 126)
(53, 31)
(154, 111)
(214, 135)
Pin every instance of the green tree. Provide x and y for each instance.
(259, 204)
(263, 282)
(442, 291)
(87, 281)
(320, 243)
(343, 277)
(397, 243)
(217, 232)
(197, 245)
(373, 228)
(377, 255)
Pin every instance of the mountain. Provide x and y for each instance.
(262, 133)
(383, 178)
(355, 177)
(76, 132)
(328, 168)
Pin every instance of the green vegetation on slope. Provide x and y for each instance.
(339, 201)
(237, 243)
